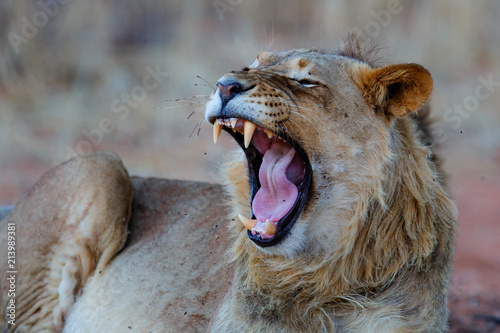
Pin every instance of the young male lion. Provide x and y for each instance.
(338, 219)
(349, 227)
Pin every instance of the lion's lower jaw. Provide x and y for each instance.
(324, 293)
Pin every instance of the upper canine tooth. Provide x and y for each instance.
(270, 228)
(217, 130)
(249, 128)
(233, 122)
(248, 223)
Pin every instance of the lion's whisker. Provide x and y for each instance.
(180, 106)
(203, 122)
(286, 130)
(206, 81)
(203, 85)
(301, 115)
(188, 98)
(309, 103)
(198, 125)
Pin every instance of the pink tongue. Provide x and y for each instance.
(277, 194)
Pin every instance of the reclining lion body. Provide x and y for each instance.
(169, 277)
(371, 251)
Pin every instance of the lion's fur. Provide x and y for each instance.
(68, 226)
(169, 276)
(387, 267)
(372, 250)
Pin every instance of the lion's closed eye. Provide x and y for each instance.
(308, 83)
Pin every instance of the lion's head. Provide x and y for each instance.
(325, 138)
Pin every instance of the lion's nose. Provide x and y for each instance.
(229, 89)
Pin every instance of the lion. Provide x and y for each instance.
(333, 216)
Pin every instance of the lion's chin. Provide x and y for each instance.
(280, 177)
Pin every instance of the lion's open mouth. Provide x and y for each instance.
(280, 177)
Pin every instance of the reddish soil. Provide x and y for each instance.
(475, 293)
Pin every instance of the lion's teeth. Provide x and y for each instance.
(217, 130)
(269, 133)
(270, 228)
(233, 122)
(249, 128)
(248, 223)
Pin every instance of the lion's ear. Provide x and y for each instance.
(395, 89)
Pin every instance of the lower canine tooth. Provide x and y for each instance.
(269, 133)
(217, 130)
(249, 128)
(248, 223)
(270, 228)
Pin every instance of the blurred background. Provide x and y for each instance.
(79, 76)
